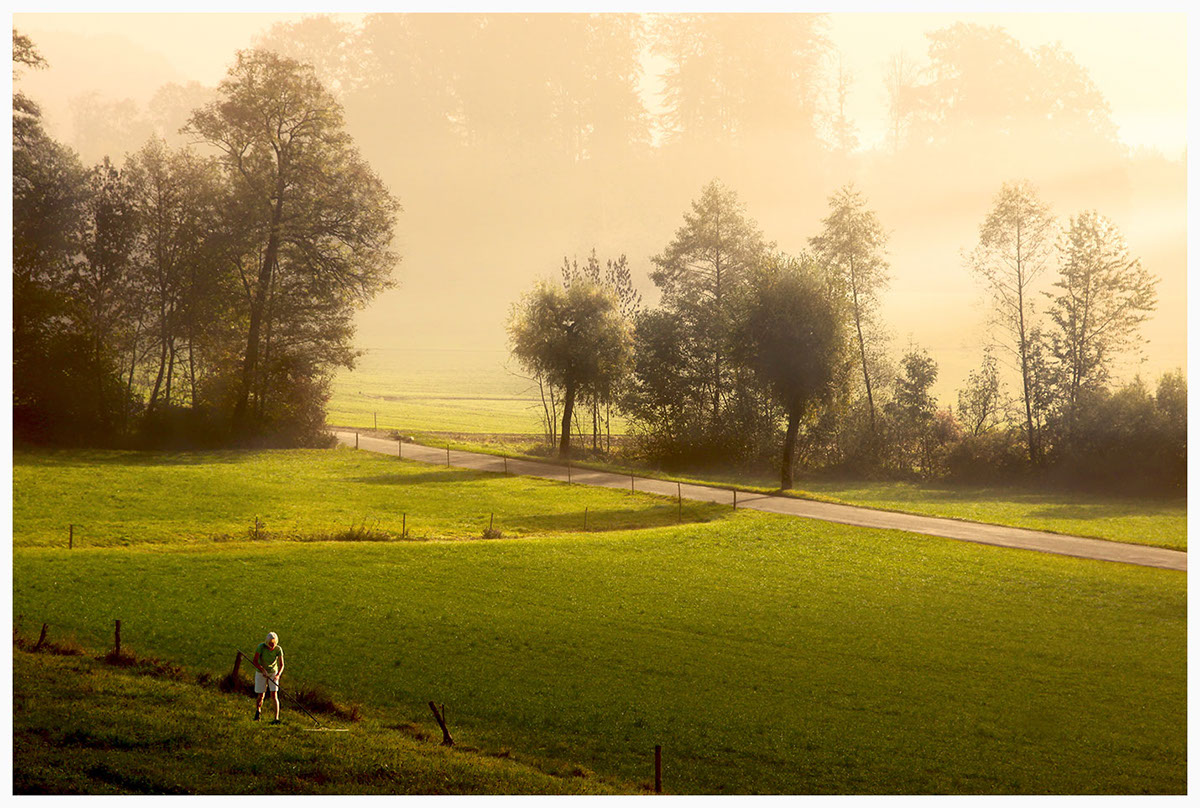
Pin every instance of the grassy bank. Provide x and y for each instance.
(82, 727)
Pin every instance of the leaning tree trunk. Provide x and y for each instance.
(789, 446)
(564, 444)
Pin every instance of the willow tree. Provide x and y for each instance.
(313, 221)
(575, 338)
(791, 333)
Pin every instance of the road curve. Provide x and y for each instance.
(998, 535)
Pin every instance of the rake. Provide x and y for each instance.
(319, 726)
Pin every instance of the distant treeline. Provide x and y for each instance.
(194, 299)
(751, 350)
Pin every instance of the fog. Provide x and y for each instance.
(514, 141)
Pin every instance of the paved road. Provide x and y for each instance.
(843, 514)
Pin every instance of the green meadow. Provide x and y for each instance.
(765, 654)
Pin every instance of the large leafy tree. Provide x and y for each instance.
(317, 221)
(1104, 294)
(575, 338)
(702, 274)
(1016, 243)
(851, 247)
(791, 332)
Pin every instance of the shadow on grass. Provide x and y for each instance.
(422, 477)
(92, 458)
(603, 520)
(1054, 504)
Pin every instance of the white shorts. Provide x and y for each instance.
(261, 683)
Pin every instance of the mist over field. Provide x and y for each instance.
(512, 141)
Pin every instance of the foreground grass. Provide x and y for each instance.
(81, 727)
(1157, 522)
(125, 498)
(765, 654)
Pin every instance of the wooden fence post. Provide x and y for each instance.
(117, 640)
(237, 666)
(657, 769)
(355, 440)
(42, 638)
(568, 472)
(404, 526)
(735, 499)
(441, 719)
(679, 495)
(506, 464)
(400, 448)
(585, 510)
(71, 538)
(631, 482)
(375, 415)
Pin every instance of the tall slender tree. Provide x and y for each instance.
(1016, 243)
(851, 247)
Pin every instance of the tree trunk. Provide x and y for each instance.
(258, 307)
(564, 444)
(789, 446)
(862, 350)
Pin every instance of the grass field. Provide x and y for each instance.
(436, 391)
(124, 498)
(765, 654)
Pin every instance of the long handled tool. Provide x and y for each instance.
(320, 727)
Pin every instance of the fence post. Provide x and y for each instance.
(568, 472)
(355, 440)
(42, 638)
(447, 455)
(375, 415)
(657, 769)
(400, 448)
(117, 638)
(404, 526)
(237, 666)
(506, 464)
(679, 495)
(71, 538)
(585, 510)
(631, 482)
(735, 499)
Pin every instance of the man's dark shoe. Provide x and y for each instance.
(258, 716)
(276, 721)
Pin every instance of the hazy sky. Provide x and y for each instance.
(1150, 46)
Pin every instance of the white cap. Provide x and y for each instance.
(271, 635)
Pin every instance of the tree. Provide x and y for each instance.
(979, 403)
(1015, 244)
(913, 409)
(1105, 294)
(701, 274)
(575, 338)
(617, 279)
(851, 248)
(791, 334)
(318, 220)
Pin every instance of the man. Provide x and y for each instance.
(268, 658)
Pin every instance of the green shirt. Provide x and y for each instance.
(269, 659)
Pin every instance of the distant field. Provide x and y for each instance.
(765, 654)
